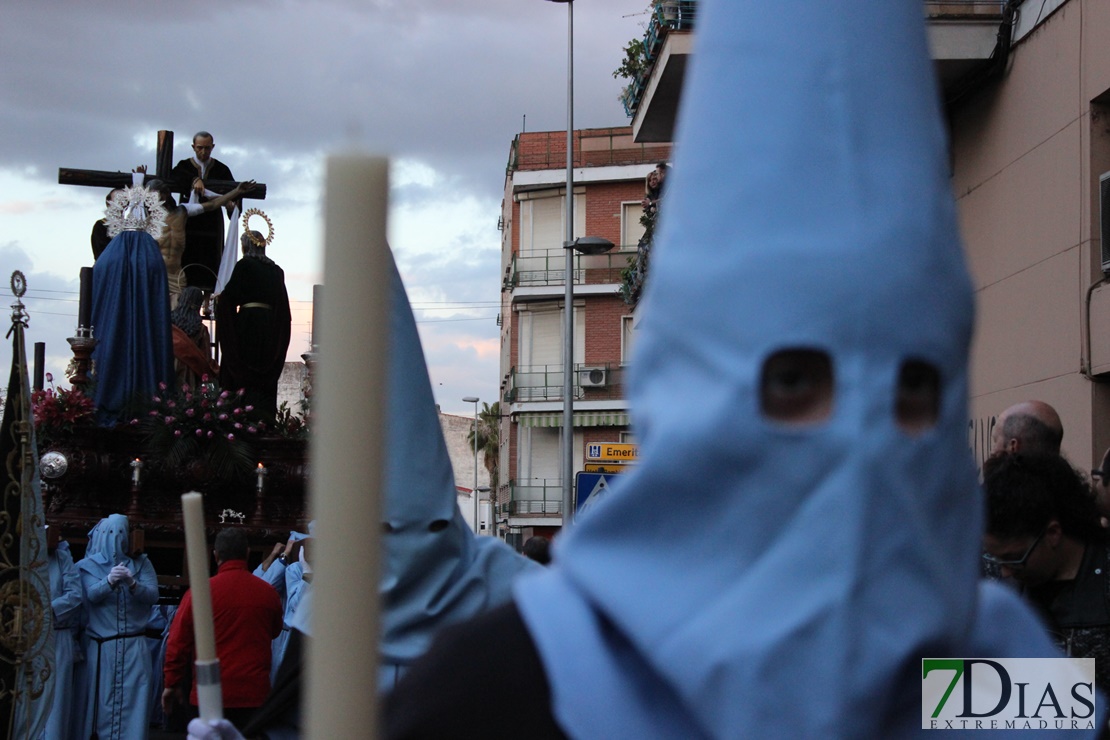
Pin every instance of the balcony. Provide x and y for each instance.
(962, 35)
(651, 98)
(548, 267)
(534, 497)
(595, 382)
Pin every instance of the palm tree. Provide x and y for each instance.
(489, 435)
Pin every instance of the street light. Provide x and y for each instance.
(474, 400)
(585, 245)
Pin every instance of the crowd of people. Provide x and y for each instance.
(124, 658)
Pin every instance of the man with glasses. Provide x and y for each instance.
(1044, 533)
(204, 236)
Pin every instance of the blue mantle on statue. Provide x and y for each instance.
(131, 322)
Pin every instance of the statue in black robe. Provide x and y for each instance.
(204, 235)
(253, 326)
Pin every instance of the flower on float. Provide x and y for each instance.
(190, 412)
(156, 399)
(230, 435)
(208, 417)
(249, 408)
(204, 378)
(171, 404)
(252, 429)
(241, 391)
(210, 434)
(200, 432)
(222, 417)
(238, 425)
(162, 385)
(168, 420)
(133, 422)
(177, 432)
(225, 394)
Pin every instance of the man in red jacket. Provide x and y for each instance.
(247, 615)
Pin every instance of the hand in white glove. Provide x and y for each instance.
(213, 729)
(117, 574)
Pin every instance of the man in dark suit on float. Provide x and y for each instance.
(204, 237)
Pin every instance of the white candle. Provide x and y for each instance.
(196, 551)
(136, 471)
(261, 476)
(345, 498)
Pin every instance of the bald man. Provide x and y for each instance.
(1030, 427)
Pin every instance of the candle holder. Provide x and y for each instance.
(82, 345)
(134, 511)
(259, 489)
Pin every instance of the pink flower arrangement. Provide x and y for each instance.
(61, 411)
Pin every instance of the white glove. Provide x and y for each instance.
(117, 574)
(213, 729)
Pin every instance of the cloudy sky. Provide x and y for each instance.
(440, 86)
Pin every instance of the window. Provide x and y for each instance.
(542, 224)
(631, 228)
(627, 335)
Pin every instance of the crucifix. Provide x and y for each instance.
(163, 171)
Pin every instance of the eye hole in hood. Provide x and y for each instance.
(438, 525)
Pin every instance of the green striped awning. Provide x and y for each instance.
(581, 419)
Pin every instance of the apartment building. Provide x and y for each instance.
(1026, 88)
(609, 174)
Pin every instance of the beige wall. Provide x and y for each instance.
(1026, 157)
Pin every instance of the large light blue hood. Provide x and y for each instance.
(433, 576)
(753, 580)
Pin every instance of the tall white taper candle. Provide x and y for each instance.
(209, 698)
(346, 451)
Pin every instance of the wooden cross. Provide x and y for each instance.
(163, 171)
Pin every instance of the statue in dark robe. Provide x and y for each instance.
(253, 326)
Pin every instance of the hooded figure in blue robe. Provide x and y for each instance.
(65, 606)
(119, 590)
(437, 572)
(803, 524)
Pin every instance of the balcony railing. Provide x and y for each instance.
(666, 16)
(542, 267)
(542, 496)
(957, 9)
(545, 383)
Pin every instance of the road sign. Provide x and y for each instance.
(591, 488)
(611, 451)
(610, 468)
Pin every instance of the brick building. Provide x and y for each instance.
(609, 174)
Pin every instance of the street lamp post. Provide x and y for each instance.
(474, 400)
(568, 318)
(585, 245)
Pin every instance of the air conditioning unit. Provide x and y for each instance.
(1104, 219)
(593, 377)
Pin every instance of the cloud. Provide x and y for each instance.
(441, 86)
